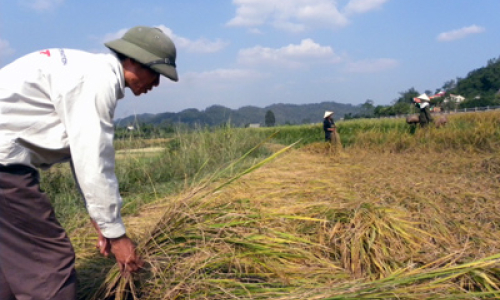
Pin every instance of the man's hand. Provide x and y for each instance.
(122, 248)
(125, 254)
(103, 243)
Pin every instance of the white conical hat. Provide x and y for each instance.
(327, 114)
(424, 97)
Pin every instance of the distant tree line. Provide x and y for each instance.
(273, 115)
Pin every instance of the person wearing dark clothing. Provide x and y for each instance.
(422, 102)
(329, 126)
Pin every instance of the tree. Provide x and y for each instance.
(368, 108)
(448, 85)
(402, 108)
(270, 120)
(407, 96)
(383, 111)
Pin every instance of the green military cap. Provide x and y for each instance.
(150, 47)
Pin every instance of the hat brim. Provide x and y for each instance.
(166, 70)
(143, 57)
(424, 97)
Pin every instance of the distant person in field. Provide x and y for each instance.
(57, 105)
(329, 126)
(423, 103)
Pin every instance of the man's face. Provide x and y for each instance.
(139, 78)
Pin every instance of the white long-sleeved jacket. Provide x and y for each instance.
(57, 105)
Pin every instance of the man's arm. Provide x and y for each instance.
(102, 243)
(122, 248)
(87, 113)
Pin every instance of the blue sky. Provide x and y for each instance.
(259, 52)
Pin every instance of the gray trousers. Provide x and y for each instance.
(37, 261)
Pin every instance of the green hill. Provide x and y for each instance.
(484, 82)
(217, 114)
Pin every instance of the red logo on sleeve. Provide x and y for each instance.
(46, 52)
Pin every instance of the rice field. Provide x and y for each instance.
(393, 214)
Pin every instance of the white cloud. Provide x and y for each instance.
(320, 12)
(299, 15)
(5, 48)
(371, 65)
(290, 15)
(289, 26)
(363, 6)
(41, 5)
(114, 35)
(201, 45)
(459, 33)
(254, 31)
(306, 52)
